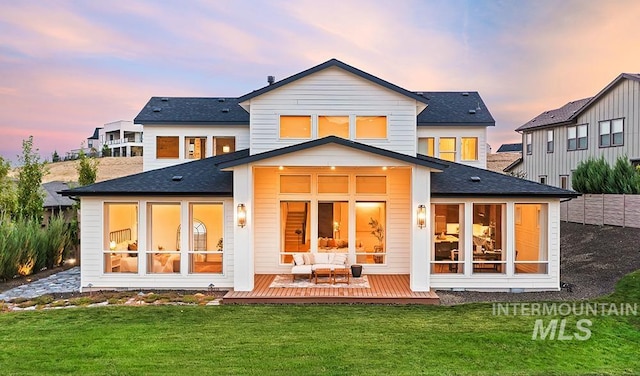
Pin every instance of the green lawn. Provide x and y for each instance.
(310, 340)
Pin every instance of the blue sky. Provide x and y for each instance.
(67, 67)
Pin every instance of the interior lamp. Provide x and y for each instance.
(226, 149)
(242, 215)
(112, 245)
(422, 216)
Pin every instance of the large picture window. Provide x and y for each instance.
(163, 252)
(469, 149)
(371, 127)
(447, 148)
(489, 238)
(295, 126)
(371, 234)
(206, 237)
(531, 252)
(426, 146)
(333, 126)
(295, 231)
(120, 248)
(448, 238)
(195, 147)
(167, 147)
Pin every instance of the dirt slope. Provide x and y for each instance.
(108, 168)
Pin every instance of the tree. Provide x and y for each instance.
(624, 178)
(55, 157)
(30, 196)
(106, 152)
(87, 169)
(7, 189)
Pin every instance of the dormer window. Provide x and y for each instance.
(333, 126)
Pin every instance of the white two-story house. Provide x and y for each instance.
(331, 159)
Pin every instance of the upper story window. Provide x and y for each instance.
(167, 147)
(447, 148)
(529, 142)
(426, 146)
(295, 126)
(469, 149)
(195, 147)
(224, 145)
(611, 133)
(577, 137)
(550, 141)
(333, 126)
(371, 127)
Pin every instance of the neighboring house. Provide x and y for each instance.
(55, 203)
(510, 148)
(123, 138)
(606, 125)
(331, 159)
(93, 142)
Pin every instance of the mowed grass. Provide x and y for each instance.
(312, 340)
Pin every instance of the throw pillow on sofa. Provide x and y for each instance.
(339, 259)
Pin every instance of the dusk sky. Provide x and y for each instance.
(67, 67)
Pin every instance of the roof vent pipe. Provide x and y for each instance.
(271, 79)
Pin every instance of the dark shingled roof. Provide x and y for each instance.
(201, 177)
(510, 148)
(456, 180)
(205, 178)
(554, 117)
(512, 165)
(435, 163)
(96, 134)
(208, 111)
(328, 64)
(454, 108)
(52, 198)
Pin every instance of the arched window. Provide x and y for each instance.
(199, 236)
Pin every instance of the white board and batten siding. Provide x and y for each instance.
(622, 101)
(92, 249)
(508, 281)
(333, 92)
(150, 162)
(448, 131)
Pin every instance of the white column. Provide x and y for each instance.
(420, 242)
(244, 269)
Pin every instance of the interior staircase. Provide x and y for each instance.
(295, 221)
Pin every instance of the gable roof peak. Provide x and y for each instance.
(333, 62)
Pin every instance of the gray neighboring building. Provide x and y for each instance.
(607, 124)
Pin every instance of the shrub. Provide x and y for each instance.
(596, 176)
(624, 178)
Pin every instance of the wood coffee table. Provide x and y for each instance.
(323, 273)
(342, 273)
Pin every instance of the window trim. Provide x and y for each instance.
(528, 137)
(550, 143)
(349, 126)
(477, 151)
(610, 134)
(355, 128)
(454, 152)
(542, 179)
(177, 155)
(566, 178)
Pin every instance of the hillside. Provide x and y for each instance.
(108, 168)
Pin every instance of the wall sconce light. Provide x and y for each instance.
(242, 215)
(422, 216)
(112, 245)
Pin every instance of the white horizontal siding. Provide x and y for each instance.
(480, 132)
(150, 162)
(92, 235)
(333, 92)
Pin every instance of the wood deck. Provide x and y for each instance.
(385, 289)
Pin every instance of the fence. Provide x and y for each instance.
(615, 210)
